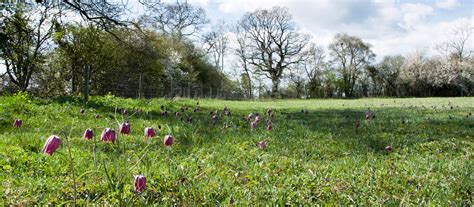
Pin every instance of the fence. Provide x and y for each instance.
(142, 86)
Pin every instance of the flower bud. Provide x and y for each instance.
(140, 183)
(269, 126)
(149, 132)
(108, 135)
(125, 128)
(168, 140)
(52, 143)
(262, 144)
(88, 134)
(17, 123)
(253, 125)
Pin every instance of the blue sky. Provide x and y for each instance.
(392, 27)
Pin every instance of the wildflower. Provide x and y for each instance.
(214, 119)
(140, 183)
(88, 134)
(149, 132)
(125, 128)
(250, 116)
(51, 145)
(108, 135)
(262, 144)
(168, 140)
(269, 126)
(17, 123)
(253, 125)
(269, 111)
(257, 119)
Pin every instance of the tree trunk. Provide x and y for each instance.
(275, 83)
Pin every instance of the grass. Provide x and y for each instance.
(315, 158)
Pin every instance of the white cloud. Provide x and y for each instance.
(414, 14)
(447, 4)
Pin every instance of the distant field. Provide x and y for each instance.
(315, 152)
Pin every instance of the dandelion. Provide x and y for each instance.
(52, 143)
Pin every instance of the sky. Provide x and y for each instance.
(390, 26)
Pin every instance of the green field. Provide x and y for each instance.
(318, 157)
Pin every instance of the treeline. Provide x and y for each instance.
(172, 49)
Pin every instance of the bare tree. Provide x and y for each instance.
(217, 42)
(350, 55)
(457, 46)
(313, 67)
(243, 62)
(272, 42)
(178, 19)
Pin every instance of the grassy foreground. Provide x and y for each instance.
(319, 157)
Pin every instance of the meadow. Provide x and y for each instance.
(318, 152)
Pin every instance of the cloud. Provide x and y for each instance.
(414, 14)
(390, 26)
(447, 4)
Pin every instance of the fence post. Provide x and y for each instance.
(140, 86)
(86, 83)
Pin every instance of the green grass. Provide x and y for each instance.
(316, 158)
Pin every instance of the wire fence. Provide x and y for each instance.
(138, 86)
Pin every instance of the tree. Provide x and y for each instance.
(350, 55)
(243, 62)
(389, 71)
(313, 67)
(178, 19)
(457, 45)
(26, 38)
(272, 42)
(217, 42)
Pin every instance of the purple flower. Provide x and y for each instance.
(149, 132)
(51, 145)
(125, 128)
(17, 123)
(108, 135)
(168, 140)
(140, 183)
(88, 134)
